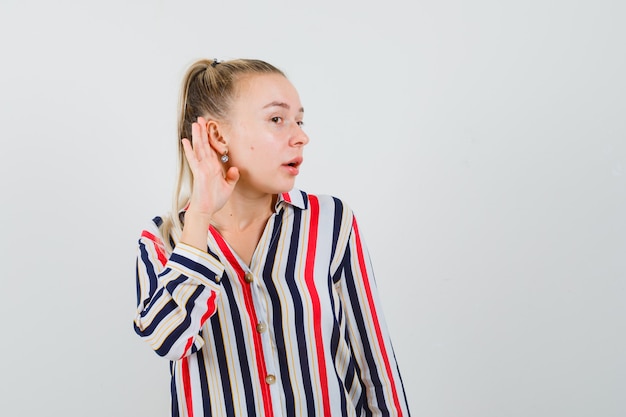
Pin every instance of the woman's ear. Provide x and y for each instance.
(216, 138)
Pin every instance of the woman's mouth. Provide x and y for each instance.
(293, 166)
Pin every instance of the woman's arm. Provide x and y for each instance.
(371, 344)
(176, 294)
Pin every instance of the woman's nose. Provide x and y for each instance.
(299, 138)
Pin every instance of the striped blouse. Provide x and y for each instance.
(298, 332)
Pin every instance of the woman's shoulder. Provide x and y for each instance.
(154, 225)
(159, 231)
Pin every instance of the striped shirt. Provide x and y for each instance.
(298, 332)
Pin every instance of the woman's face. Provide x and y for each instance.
(264, 133)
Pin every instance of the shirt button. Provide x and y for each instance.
(261, 327)
(248, 277)
(270, 379)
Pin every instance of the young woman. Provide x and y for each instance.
(261, 296)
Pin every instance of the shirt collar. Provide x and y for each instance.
(295, 198)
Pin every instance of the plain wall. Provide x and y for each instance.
(482, 145)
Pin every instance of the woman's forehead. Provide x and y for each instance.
(261, 90)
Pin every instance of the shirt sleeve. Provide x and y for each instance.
(383, 393)
(176, 294)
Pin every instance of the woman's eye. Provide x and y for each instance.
(300, 123)
(276, 119)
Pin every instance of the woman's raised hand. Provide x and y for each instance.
(211, 187)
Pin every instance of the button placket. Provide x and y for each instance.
(262, 327)
(260, 307)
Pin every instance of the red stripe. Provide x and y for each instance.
(370, 300)
(247, 296)
(210, 308)
(286, 197)
(309, 277)
(187, 346)
(158, 246)
(187, 387)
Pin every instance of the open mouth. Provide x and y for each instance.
(295, 163)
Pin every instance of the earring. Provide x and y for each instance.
(224, 158)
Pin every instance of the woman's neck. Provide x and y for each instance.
(244, 210)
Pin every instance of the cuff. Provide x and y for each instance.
(196, 264)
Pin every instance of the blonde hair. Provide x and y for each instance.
(208, 90)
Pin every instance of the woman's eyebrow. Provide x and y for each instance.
(283, 105)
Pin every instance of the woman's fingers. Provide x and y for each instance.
(189, 153)
(211, 185)
(197, 141)
(200, 136)
(198, 151)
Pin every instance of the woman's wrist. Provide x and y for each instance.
(195, 229)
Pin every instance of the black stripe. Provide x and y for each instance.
(305, 199)
(337, 221)
(194, 266)
(167, 309)
(174, 401)
(352, 371)
(204, 385)
(335, 341)
(279, 332)
(184, 325)
(401, 382)
(138, 284)
(365, 343)
(150, 271)
(292, 258)
(220, 352)
(245, 371)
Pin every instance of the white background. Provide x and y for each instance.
(481, 143)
